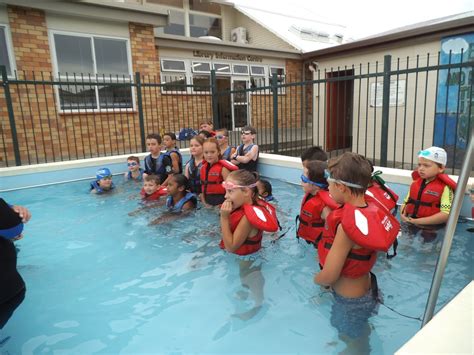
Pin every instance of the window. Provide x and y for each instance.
(280, 72)
(222, 68)
(202, 83)
(240, 69)
(204, 6)
(173, 83)
(257, 79)
(86, 59)
(6, 53)
(201, 67)
(257, 70)
(202, 25)
(173, 65)
(175, 25)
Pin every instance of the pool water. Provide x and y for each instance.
(101, 280)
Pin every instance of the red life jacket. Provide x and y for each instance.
(425, 198)
(311, 224)
(211, 176)
(261, 216)
(383, 194)
(373, 228)
(162, 191)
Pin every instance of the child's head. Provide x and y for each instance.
(348, 174)
(241, 187)
(177, 184)
(222, 136)
(133, 163)
(169, 140)
(104, 178)
(431, 162)
(313, 178)
(211, 151)
(153, 143)
(248, 134)
(196, 146)
(313, 153)
(151, 183)
(207, 126)
(204, 134)
(264, 188)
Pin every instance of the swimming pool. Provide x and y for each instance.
(100, 280)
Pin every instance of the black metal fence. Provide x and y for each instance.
(386, 112)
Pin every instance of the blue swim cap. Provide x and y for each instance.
(102, 173)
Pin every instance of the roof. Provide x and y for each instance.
(463, 21)
(302, 29)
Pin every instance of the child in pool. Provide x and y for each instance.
(313, 153)
(264, 189)
(214, 171)
(179, 200)
(103, 182)
(244, 217)
(152, 190)
(192, 169)
(135, 172)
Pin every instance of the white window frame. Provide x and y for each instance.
(283, 77)
(260, 66)
(201, 71)
(222, 72)
(242, 65)
(10, 49)
(98, 78)
(173, 60)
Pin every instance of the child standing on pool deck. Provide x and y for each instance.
(135, 172)
(244, 217)
(103, 182)
(430, 197)
(316, 203)
(192, 170)
(214, 171)
(246, 155)
(348, 249)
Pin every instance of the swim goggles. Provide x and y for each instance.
(132, 164)
(230, 185)
(246, 133)
(306, 180)
(328, 177)
(108, 177)
(219, 136)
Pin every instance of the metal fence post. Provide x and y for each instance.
(274, 86)
(387, 62)
(11, 114)
(214, 99)
(141, 118)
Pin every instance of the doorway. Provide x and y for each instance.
(240, 103)
(224, 104)
(339, 102)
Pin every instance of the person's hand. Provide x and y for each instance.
(25, 215)
(18, 237)
(226, 209)
(404, 218)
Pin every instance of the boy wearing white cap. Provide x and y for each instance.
(431, 193)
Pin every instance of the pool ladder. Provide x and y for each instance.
(449, 234)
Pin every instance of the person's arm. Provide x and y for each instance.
(174, 162)
(233, 241)
(188, 206)
(251, 155)
(186, 170)
(335, 259)
(23, 212)
(203, 201)
(442, 216)
(403, 214)
(224, 173)
(325, 212)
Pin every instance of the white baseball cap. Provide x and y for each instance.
(436, 154)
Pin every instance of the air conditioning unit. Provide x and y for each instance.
(238, 35)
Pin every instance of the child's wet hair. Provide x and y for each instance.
(134, 158)
(314, 153)
(351, 167)
(212, 140)
(154, 136)
(245, 178)
(207, 134)
(152, 177)
(181, 180)
(267, 186)
(171, 135)
(316, 171)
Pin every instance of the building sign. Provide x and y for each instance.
(454, 118)
(210, 55)
(397, 93)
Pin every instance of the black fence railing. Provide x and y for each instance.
(386, 112)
